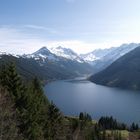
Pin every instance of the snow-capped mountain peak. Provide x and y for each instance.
(42, 51)
(96, 54)
(66, 53)
(44, 54)
(99, 56)
(110, 54)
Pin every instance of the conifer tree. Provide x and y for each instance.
(54, 122)
(12, 82)
(39, 120)
(8, 118)
(36, 115)
(81, 116)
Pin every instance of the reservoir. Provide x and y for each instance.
(79, 95)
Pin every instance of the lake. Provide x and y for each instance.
(79, 95)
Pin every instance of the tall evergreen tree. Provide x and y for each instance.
(54, 122)
(36, 113)
(29, 102)
(8, 118)
(13, 83)
(81, 116)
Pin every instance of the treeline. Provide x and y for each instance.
(111, 123)
(99, 130)
(134, 127)
(85, 117)
(25, 112)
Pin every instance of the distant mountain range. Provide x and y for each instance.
(102, 58)
(123, 73)
(64, 63)
(96, 54)
(46, 65)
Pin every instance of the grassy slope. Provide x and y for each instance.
(76, 133)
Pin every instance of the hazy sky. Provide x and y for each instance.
(83, 25)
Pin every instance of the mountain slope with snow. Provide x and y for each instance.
(124, 72)
(96, 54)
(66, 53)
(120, 51)
(45, 58)
(102, 58)
(110, 53)
(65, 60)
(43, 53)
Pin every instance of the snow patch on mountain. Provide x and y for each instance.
(66, 53)
(120, 51)
(100, 57)
(110, 54)
(43, 54)
(96, 54)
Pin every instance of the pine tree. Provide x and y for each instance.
(36, 115)
(8, 118)
(39, 120)
(54, 122)
(132, 127)
(13, 83)
(137, 127)
(29, 102)
(81, 116)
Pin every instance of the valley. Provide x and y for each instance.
(69, 70)
(63, 63)
(86, 108)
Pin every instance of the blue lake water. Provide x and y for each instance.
(75, 96)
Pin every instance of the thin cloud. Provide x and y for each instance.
(16, 40)
(36, 27)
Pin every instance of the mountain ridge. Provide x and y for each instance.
(64, 62)
(123, 73)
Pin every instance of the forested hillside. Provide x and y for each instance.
(26, 114)
(123, 73)
(29, 68)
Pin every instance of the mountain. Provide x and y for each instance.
(98, 59)
(50, 60)
(102, 58)
(123, 73)
(66, 53)
(96, 54)
(43, 54)
(29, 68)
(46, 65)
(64, 63)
